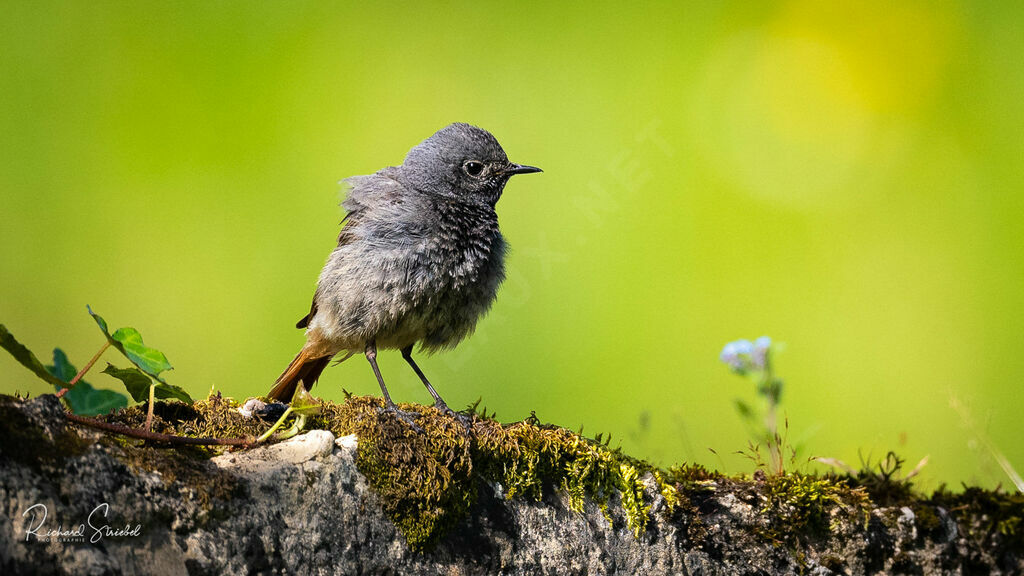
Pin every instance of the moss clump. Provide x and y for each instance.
(423, 477)
(992, 518)
(693, 477)
(926, 518)
(428, 480)
(525, 457)
(884, 482)
(214, 417)
(803, 504)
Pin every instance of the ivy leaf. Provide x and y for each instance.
(164, 391)
(28, 359)
(83, 399)
(134, 380)
(138, 382)
(129, 342)
(62, 368)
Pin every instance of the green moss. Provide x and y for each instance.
(693, 478)
(927, 520)
(214, 417)
(429, 480)
(992, 518)
(884, 482)
(800, 504)
(527, 457)
(423, 478)
(668, 491)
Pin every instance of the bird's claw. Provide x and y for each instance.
(463, 419)
(407, 417)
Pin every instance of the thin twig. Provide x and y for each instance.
(63, 391)
(155, 436)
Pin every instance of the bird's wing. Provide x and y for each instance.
(305, 319)
(370, 197)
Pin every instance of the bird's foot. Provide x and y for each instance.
(407, 417)
(463, 419)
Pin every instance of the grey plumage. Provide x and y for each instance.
(419, 257)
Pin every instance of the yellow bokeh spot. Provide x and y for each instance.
(894, 51)
(808, 107)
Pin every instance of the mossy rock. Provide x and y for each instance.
(428, 474)
(423, 475)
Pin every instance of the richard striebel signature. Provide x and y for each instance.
(93, 529)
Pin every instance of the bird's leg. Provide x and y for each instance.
(371, 357)
(438, 402)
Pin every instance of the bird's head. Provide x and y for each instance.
(461, 161)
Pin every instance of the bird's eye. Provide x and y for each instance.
(473, 168)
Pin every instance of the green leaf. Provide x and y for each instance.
(134, 380)
(164, 391)
(83, 399)
(28, 359)
(62, 367)
(129, 342)
(149, 360)
(138, 382)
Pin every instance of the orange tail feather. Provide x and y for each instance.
(304, 368)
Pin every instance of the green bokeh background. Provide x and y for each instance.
(846, 179)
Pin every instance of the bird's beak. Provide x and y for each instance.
(520, 169)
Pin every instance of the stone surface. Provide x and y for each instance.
(302, 507)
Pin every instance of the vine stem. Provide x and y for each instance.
(149, 412)
(63, 391)
(274, 428)
(156, 436)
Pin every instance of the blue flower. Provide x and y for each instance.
(759, 356)
(743, 355)
(737, 355)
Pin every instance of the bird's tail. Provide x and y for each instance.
(305, 368)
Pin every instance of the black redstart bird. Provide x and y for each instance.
(419, 258)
